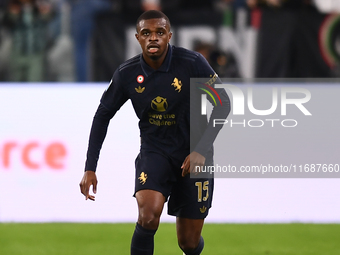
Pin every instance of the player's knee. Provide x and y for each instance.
(187, 244)
(149, 220)
(191, 246)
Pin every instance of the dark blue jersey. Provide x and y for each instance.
(161, 100)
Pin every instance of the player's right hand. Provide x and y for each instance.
(89, 179)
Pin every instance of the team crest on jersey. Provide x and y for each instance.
(159, 104)
(140, 89)
(140, 78)
(143, 176)
(203, 209)
(177, 84)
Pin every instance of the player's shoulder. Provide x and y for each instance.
(185, 54)
(129, 64)
(127, 69)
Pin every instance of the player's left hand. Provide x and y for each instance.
(191, 162)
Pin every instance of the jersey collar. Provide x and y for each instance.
(164, 67)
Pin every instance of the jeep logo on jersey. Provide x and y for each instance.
(159, 104)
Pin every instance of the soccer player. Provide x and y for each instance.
(158, 83)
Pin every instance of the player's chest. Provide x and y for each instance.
(159, 86)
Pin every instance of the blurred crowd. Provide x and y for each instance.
(51, 40)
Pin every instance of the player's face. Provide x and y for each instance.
(153, 35)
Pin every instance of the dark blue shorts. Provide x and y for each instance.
(187, 197)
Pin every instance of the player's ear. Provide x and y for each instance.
(137, 36)
(170, 35)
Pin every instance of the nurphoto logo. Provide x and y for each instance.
(239, 104)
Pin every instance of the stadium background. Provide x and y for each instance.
(44, 123)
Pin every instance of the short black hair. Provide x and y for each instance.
(152, 14)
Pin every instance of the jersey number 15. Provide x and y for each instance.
(202, 186)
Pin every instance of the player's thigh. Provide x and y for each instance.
(150, 203)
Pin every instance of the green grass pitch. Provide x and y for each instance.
(220, 239)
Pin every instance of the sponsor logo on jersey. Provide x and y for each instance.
(177, 84)
(140, 78)
(203, 209)
(143, 176)
(159, 104)
(140, 89)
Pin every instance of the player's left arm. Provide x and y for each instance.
(220, 111)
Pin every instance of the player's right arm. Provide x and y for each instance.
(112, 99)
(97, 135)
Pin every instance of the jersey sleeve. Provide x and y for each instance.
(113, 98)
(220, 110)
